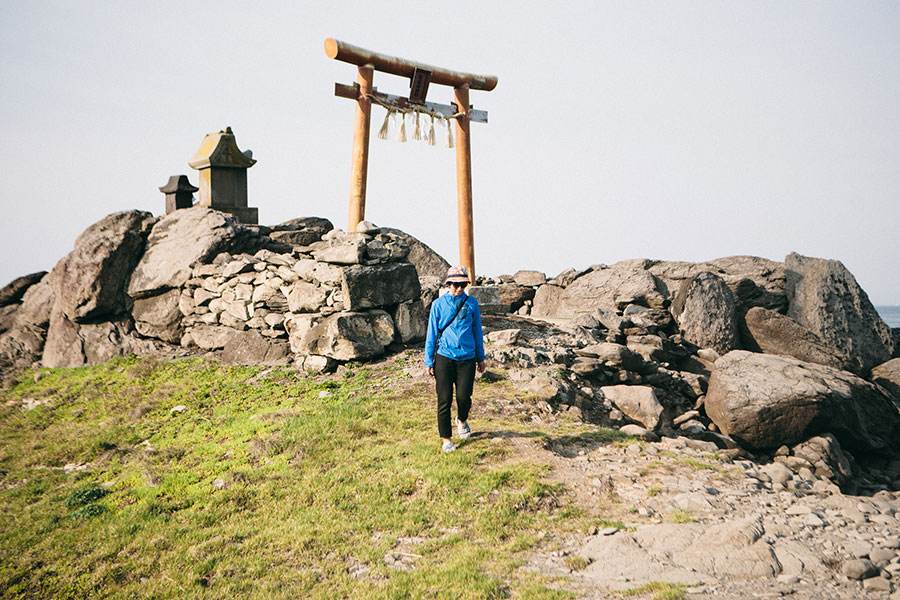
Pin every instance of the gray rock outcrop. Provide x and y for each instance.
(346, 335)
(381, 285)
(827, 458)
(754, 281)
(178, 241)
(90, 281)
(825, 298)
(612, 288)
(774, 333)
(638, 402)
(302, 231)
(706, 313)
(427, 262)
(887, 375)
(766, 401)
(22, 342)
(71, 344)
(12, 292)
(198, 279)
(529, 278)
(159, 316)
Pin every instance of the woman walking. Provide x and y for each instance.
(454, 349)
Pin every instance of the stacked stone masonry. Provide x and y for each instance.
(351, 303)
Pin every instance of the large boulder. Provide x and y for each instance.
(638, 402)
(824, 453)
(37, 303)
(8, 317)
(548, 301)
(513, 294)
(344, 336)
(615, 356)
(887, 375)
(825, 298)
(427, 262)
(411, 321)
(706, 313)
(71, 344)
(611, 288)
(306, 297)
(379, 285)
(302, 231)
(212, 337)
(754, 281)
(529, 278)
(766, 401)
(90, 280)
(159, 316)
(20, 348)
(774, 333)
(12, 292)
(180, 239)
(252, 348)
(22, 342)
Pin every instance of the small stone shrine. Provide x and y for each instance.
(223, 175)
(179, 193)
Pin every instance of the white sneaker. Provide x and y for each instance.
(462, 430)
(448, 446)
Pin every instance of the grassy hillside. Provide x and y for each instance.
(268, 484)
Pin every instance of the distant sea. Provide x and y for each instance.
(890, 314)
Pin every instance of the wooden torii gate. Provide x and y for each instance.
(420, 76)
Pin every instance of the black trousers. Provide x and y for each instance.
(447, 373)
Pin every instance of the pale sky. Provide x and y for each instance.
(669, 130)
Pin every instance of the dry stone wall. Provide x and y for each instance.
(333, 307)
(343, 297)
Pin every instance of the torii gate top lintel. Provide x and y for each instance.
(395, 65)
(460, 111)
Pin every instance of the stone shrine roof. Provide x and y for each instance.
(220, 150)
(178, 183)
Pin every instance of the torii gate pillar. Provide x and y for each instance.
(360, 161)
(464, 183)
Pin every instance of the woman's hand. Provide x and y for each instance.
(480, 367)
(430, 371)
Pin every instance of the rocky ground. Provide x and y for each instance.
(675, 508)
(727, 529)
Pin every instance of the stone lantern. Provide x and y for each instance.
(179, 193)
(223, 175)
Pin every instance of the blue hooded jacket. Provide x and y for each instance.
(463, 338)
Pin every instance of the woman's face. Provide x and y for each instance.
(457, 288)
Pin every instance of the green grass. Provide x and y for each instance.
(661, 590)
(698, 465)
(577, 563)
(683, 516)
(104, 492)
